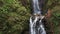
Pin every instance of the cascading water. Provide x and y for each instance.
(36, 25)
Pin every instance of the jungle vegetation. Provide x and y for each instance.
(15, 14)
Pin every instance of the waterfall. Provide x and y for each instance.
(36, 25)
(36, 8)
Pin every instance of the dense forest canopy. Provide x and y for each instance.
(14, 15)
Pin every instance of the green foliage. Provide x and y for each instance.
(54, 5)
(13, 17)
(56, 19)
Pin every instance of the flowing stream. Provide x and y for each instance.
(36, 25)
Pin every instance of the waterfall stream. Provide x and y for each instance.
(36, 25)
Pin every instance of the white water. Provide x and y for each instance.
(36, 7)
(40, 29)
(36, 25)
